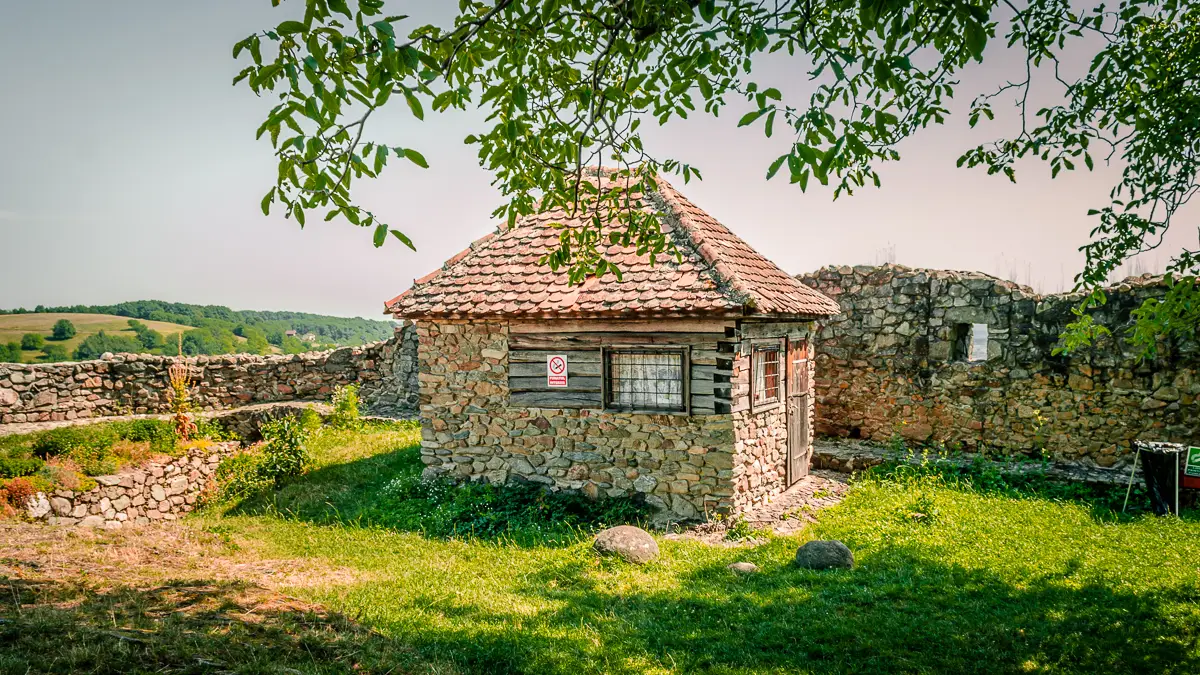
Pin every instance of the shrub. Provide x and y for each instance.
(345, 408)
(18, 491)
(212, 430)
(66, 474)
(285, 450)
(63, 330)
(16, 467)
(240, 476)
(160, 435)
(10, 352)
(63, 441)
(311, 420)
(93, 346)
(32, 341)
(55, 353)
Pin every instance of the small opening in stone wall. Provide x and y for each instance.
(970, 342)
(855, 432)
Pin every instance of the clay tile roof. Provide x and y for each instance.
(499, 275)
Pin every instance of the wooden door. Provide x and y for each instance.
(799, 389)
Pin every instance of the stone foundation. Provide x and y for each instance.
(149, 493)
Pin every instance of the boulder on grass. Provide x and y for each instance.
(742, 568)
(629, 543)
(823, 555)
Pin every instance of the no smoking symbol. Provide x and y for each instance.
(558, 365)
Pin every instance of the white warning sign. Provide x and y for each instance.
(556, 371)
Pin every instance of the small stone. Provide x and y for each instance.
(157, 492)
(824, 554)
(61, 506)
(742, 568)
(627, 542)
(92, 521)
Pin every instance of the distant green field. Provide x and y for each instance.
(13, 326)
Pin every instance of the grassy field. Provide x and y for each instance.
(314, 580)
(13, 326)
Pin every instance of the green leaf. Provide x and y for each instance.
(708, 10)
(749, 117)
(387, 29)
(975, 39)
(414, 104)
(400, 235)
(291, 27)
(299, 213)
(381, 232)
(266, 202)
(416, 158)
(520, 96)
(775, 166)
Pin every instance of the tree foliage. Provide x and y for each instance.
(63, 330)
(93, 346)
(32, 341)
(569, 83)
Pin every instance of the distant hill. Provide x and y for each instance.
(206, 329)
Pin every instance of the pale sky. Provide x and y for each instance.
(129, 171)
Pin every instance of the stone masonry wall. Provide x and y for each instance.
(153, 492)
(468, 431)
(886, 366)
(137, 383)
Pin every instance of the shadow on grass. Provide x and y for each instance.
(898, 612)
(195, 626)
(354, 494)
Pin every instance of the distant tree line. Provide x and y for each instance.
(273, 325)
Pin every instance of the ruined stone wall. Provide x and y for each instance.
(157, 491)
(137, 383)
(469, 431)
(887, 366)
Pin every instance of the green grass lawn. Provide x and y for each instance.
(979, 584)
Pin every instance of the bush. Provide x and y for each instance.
(441, 508)
(10, 352)
(63, 330)
(55, 353)
(32, 341)
(311, 420)
(17, 492)
(93, 346)
(63, 441)
(345, 408)
(240, 476)
(160, 435)
(212, 430)
(13, 467)
(285, 451)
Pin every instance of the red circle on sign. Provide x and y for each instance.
(558, 365)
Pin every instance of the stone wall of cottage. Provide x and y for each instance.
(152, 492)
(137, 383)
(761, 435)
(679, 463)
(887, 367)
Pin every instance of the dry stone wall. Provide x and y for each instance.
(469, 431)
(892, 364)
(157, 491)
(137, 383)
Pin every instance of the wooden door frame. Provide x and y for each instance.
(801, 397)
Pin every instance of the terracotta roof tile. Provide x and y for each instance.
(499, 275)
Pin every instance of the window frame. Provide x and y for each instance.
(778, 346)
(684, 352)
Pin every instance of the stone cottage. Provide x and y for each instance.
(688, 381)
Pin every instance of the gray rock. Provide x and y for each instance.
(157, 492)
(824, 554)
(108, 481)
(39, 506)
(742, 568)
(92, 521)
(629, 543)
(61, 506)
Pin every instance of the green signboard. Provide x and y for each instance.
(1192, 468)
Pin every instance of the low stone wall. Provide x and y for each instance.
(892, 364)
(137, 383)
(149, 493)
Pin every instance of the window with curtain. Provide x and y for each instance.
(766, 363)
(645, 379)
